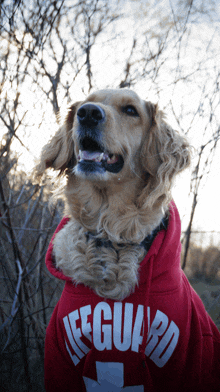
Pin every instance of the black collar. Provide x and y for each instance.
(146, 243)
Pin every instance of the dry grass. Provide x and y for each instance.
(203, 272)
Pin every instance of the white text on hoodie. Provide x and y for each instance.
(162, 334)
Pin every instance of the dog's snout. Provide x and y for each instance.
(90, 114)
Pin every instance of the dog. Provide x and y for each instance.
(120, 158)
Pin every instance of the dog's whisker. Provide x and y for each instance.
(133, 171)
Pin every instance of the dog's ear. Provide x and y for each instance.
(58, 153)
(164, 153)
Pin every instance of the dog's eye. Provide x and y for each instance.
(130, 111)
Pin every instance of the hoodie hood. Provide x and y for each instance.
(50, 260)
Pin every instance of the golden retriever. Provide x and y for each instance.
(120, 158)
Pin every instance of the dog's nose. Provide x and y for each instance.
(90, 114)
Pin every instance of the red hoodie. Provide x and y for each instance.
(160, 338)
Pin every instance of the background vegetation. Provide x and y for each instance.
(53, 53)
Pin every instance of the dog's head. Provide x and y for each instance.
(115, 135)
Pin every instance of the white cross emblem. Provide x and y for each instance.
(110, 378)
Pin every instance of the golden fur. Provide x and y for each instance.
(121, 207)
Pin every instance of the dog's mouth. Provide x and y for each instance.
(93, 157)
